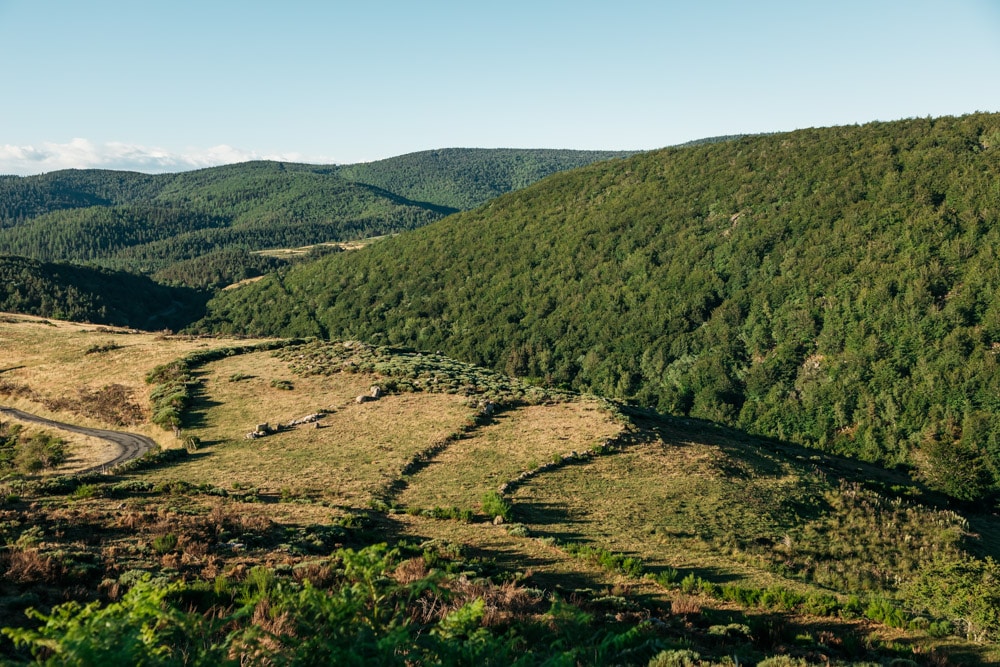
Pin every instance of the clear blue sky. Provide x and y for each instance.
(167, 85)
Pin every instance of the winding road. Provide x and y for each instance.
(130, 445)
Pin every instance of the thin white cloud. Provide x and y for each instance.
(85, 154)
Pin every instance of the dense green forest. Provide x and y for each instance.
(163, 224)
(101, 296)
(464, 178)
(833, 287)
(249, 207)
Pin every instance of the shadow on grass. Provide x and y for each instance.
(750, 455)
(195, 415)
(768, 456)
(546, 571)
(547, 519)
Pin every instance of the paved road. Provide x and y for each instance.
(130, 445)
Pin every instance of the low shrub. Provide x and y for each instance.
(518, 530)
(495, 505)
(665, 577)
(676, 658)
(884, 611)
(164, 543)
(87, 491)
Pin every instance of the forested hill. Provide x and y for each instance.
(835, 287)
(186, 217)
(101, 296)
(464, 178)
(149, 223)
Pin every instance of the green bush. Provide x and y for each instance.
(665, 577)
(87, 491)
(821, 604)
(165, 543)
(940, 629)
(38, 452)
(779, 597)
(747, 597)
(495, 505)
(884, 611)
(518, 530)
(676, 658)
(783, 661)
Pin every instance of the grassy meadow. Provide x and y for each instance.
(357, 447)
(57, 369)
(631, 515)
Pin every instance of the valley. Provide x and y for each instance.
(726, 403)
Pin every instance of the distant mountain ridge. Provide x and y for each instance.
(464, 178)
(837, 287)
(149, 223)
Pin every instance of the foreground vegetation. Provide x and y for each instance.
(831, 287)
(455, 516)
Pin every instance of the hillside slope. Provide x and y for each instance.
(833, 287)
(674, 532)
(464, 178)
(100, 296)
(149, 223)
(248, 206)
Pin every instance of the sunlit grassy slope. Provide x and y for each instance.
(700, 507)
(45, 364)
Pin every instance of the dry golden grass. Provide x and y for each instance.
(287, 253)
(49, 357)
(358, 448)
(517, 441)
(241, 283)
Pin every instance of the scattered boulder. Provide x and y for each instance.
(308, 419)
(259, 431)
(376, 392)
(363, 398)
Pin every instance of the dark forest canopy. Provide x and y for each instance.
(101, 296)
(464, 178)
(835, 287)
